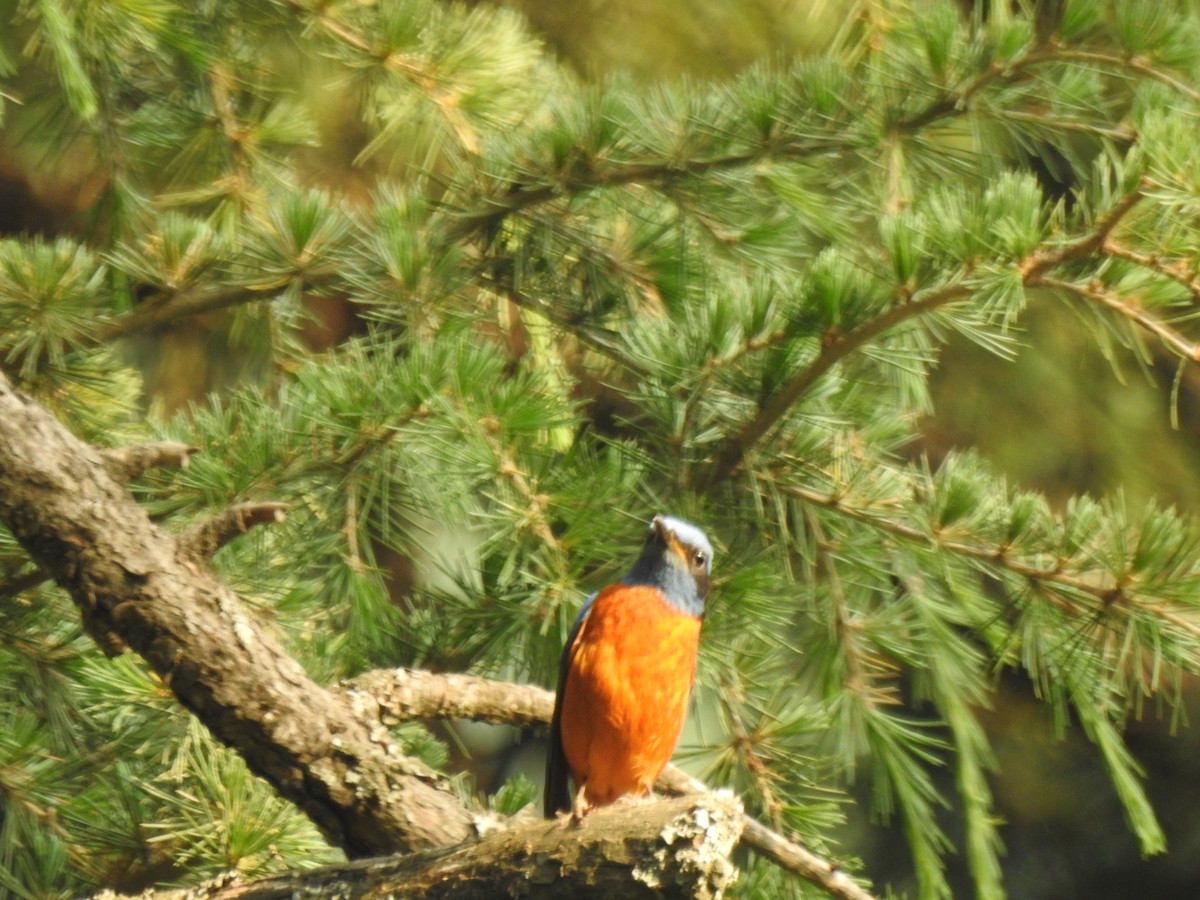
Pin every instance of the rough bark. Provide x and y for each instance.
(133, 580)
(666, 849)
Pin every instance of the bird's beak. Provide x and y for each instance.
(667, 536)
(663, 532)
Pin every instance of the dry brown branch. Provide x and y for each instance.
(207, 537)
(129, 463)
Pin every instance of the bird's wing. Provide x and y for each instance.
(557, 794)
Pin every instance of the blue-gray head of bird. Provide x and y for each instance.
(676, 559)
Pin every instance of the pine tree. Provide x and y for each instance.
(567, 305)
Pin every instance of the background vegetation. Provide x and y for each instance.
(477, 289)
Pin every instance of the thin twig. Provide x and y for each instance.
(19, 584)
(744, 744)
(212, 534)
(1136, 64)
(221, 82)
(533, 515)
(1178, 270)
(959, 100)
(587, 337)
(1106, 592)
(129, 463)
(837, 347)
(863, 672)
(1121, 132)
(424, 77)
(834, 349)
(1132, 309)
(1045, 258)
(783, 851)
(184, 304)
(589, 175)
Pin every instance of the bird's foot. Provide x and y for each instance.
(580, 808)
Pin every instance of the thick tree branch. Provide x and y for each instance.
(781, 850)
(132, 579)
(329, 752)
(393, 696)
(667, 850)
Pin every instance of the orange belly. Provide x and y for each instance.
(626, 692)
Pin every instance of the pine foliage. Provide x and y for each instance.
(580, 304)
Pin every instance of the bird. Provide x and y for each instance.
(626, 674)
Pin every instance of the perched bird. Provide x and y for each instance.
(626, 673)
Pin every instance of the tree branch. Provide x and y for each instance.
(1042, 260)
(18, 584)
(1106, 592)
(1139, 65)
(419, 72)
(329, 752)
(131, 578)
(393, 696)
(1131, 309)
(209, 536)
(589, 173)
(130, 463)
(954, 102)
(665, 850)
(184, 304)
(590, 338)
(835, 348)
(833, 351)
(1178, 270)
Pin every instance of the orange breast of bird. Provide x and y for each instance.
(626, 691)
